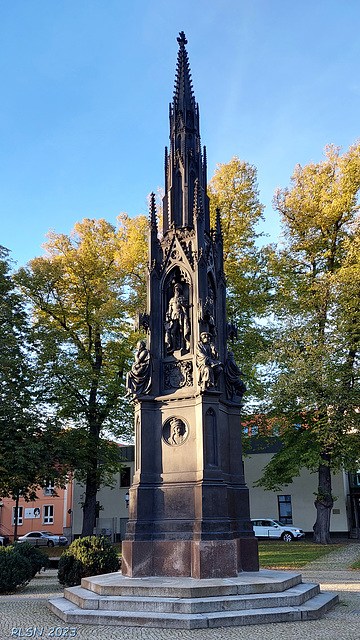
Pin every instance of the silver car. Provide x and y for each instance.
(43, 539)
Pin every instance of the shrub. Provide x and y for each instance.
(38, 560)
(15, 570)
(89, 556)
(70, 570)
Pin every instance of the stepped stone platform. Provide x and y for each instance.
(186, 603)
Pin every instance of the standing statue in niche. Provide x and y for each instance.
(207, 361)
(177, 323)
(138, 380)
(234, 385)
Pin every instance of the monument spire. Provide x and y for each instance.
(189, 506)
(183, 95)
(185, 164)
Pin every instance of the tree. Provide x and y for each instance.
(234, 190)
(30, 448)
(314, 380)
(82, 292)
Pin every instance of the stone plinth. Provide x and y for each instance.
(189, 558)
(186, 603)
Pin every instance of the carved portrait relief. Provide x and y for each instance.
(175, 431)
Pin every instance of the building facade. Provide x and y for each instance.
(49, 512)
(62, 513)
(59, 511)
(294, 504)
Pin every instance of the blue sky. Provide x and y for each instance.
(85, 88)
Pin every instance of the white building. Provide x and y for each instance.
(293, 505)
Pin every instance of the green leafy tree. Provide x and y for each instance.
(82, 293)
(313, 379)
(31, 449)
(234, 190)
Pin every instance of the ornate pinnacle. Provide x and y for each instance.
(198, 204)
(182, 40)
(183, 94)
(152, 220)
(218, 232)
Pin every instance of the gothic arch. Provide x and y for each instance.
(211, 448)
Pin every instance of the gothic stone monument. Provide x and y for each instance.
(189, 505)
(190, 558)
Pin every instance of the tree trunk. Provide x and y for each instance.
(16, 516)
(89, 508)
(323, 503)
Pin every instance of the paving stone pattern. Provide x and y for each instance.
(22, 612)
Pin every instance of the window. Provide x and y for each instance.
(125, 477)
(49, 487)
(48, 514)
(285, 511)
(20, 515)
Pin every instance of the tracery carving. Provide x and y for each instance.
(211, 438)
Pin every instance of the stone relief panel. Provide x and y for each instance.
(178, 374)
(175, 431)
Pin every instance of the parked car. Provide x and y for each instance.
(42, 538)
(274, 529)
(1, 541)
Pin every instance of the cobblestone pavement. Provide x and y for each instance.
(25, 615)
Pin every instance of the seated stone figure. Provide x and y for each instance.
(208, 363)
(234, 385)
(138, 380)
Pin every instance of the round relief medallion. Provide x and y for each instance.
(175, 431)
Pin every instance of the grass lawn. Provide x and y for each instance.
(53, 552)
(275, 554)
(356, 565)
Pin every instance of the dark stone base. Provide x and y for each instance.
(248, 554)
(189, 558)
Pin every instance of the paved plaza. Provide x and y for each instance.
(25, 615)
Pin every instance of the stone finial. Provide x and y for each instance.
(182, 39)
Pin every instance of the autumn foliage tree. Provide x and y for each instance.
(83, 292)
(234, 190)
(313, 373)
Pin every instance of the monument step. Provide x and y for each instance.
(294, 596)
(263, 581)
(71, 614)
